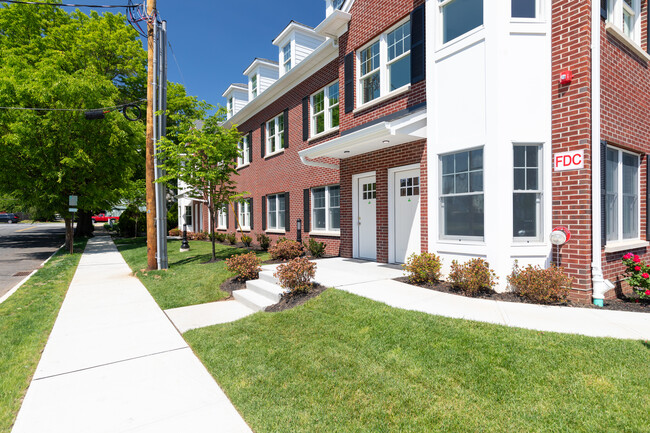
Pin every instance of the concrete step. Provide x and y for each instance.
(252, 300)
(270, 290)
(268, 276)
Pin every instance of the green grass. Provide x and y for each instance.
(342, 363)
(26, 320)
(189, 280)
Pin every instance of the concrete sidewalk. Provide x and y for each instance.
(115, 363)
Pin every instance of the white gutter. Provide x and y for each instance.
(311, 163)
(599, 286)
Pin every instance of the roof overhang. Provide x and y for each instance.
(233, 87)
(334, 25)
(293, 26)
(261, 62)
(372, 138)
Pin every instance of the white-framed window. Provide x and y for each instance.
(325, 109)
(230, 106)
(326, 208)
(337, 4)
(622, 195)
(254, 85)
(625, 14)
(244, 215)
(222, 218)
(461, 195)
(245, 151)
(275, 135)
(275, 212)
(384, 65)
(188, 215)
(527, 192)
(459, 17)
(286, 57)
(525, 8)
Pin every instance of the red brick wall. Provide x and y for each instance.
(571, 120)
(380, 161)
(625, 110)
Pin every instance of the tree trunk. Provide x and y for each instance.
(69, 235)
(135, 235)
(214, 254)
(85, 227)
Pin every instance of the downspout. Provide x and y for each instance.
(311, 163)
(599, 286)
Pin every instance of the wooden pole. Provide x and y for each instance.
(150, 175)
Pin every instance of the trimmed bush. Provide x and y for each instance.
(540, 285)
(246, 240)
(315, 248)
(296, 275)
(472, 277)
(200, 236)
(264, 241)
(175, 232)
(286, 250)
(220, 237)
(231, 238)
(132, 222)
(246, 266)
(423, 268)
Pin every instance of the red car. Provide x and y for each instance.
(104, 218)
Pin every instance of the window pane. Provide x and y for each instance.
(319, 102)
(400, 73)
(462, 162)
(531, 156)
(319, 219)
(461, 16)
(523, 8)
(319, 198)
(476, 181)
(320, 123)
(334, 116)
(476, 159)
(611, 172)
(272, 212)
(524, 214)
(370, 59)
(630, 217)
(335, 218)
(371, 87)
(612, 216)
(448, 184)
(531, 179)
(462, 183)
(520, 179)
(519, 156)
(335, 196)
(630, 174)
(463, 215)
(333, 94)
(399, 41)
(447, 164)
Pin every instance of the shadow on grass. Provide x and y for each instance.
(646, 344)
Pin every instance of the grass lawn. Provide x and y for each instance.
(26, 320)
(189, 280)
(342, 363)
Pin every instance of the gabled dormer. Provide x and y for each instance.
(296, 42)
(261, 74)
(236, 97)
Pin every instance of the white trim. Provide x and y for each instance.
(355, 210)
(440, 24)
(327, 121)
(627, 244)
(395, 93)
(322, 233)
(260, 62)
(275, 231)
(391, 206)
(324, 134)
(327, 208)
(625, 40)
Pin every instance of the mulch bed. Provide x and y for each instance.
(624, 303)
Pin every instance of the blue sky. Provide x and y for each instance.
(215, 41)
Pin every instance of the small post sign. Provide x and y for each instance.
(72, 202)
(573, 160)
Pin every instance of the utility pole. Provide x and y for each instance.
(150, 174)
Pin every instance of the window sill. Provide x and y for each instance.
(244, 230)
(243, 165)
(631, 244)
(222, 228)
(276, 232)
(323, 134)
(395, 93)
(270, 155)
(625, 40)
(324, 233)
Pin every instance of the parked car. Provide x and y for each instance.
(9, 218)
(104, 218)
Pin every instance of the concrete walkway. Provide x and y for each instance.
(115, 363)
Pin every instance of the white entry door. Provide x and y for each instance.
(367, 217)
(407, 213)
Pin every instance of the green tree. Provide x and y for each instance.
(54, 59)
(203, 155)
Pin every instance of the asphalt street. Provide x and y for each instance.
(23, 247)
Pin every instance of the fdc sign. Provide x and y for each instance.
(569, 160)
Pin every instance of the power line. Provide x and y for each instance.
(177, 65)
(67, 4)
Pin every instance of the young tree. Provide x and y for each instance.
(202, 154)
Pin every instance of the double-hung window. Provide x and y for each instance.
(326, 208)
(275, 212)
(624, 14)
(622, 195)
(385, 64)
(275, 135)
(461, 198)
(459, 17)
(244, 215)
(527, 193)
(188, 215)
(286, 57)
(222, 218)
(254, 85)
(230, 107)
(325, 109)
(244, 151)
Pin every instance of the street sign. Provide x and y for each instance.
(72, 201)
(573, 160)
(72, 209)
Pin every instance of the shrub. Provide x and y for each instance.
(220, 237)
(232, 238)
(200, 236)
(246, 266)
(264, 241)
(638, 275)
(132, 221)
(286, 250)
(175, 232)
(246, 240)
(172, 216)
(296, 275)
(423, 268)
(316, 249)
(472, 277)
(540, 285)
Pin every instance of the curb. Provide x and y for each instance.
(24, 280)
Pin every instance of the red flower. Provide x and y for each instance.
(627, 256)
(645, 275)
(637, 259)
(637, 268)
(647, 292)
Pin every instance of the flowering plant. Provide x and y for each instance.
(638, 275)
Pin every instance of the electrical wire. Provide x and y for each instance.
(67, 4)
(177, 65)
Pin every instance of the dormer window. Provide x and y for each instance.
(286, 57)
(230, 107)
(254, 85)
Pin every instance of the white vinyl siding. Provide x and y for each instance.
(304, 46)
